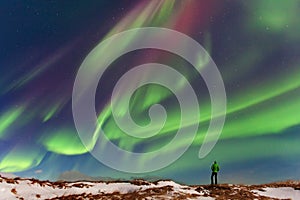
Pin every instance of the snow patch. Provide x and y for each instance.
(280, 193)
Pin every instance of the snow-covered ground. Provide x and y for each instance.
(17, 188)
(33, 189)
(280, 193)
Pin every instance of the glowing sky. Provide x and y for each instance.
(255, 45)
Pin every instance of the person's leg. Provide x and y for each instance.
(211, 178)
(216, 178)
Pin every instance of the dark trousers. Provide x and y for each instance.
(214, 174)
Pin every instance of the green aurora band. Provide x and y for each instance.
(21, 158)
(7, 119)
(65, 142)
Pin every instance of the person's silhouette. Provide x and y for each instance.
(214, 168)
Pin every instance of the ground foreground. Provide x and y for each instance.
(17, 188)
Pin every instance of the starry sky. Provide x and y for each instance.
(255, 45)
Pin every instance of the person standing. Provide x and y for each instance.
(214, 168)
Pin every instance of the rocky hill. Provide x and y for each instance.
(18, 188)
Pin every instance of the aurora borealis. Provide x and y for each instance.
(254, 44)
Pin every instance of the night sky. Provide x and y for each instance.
(255, 45)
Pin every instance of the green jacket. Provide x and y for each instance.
(215, 167)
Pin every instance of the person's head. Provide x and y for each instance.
(215, 162)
